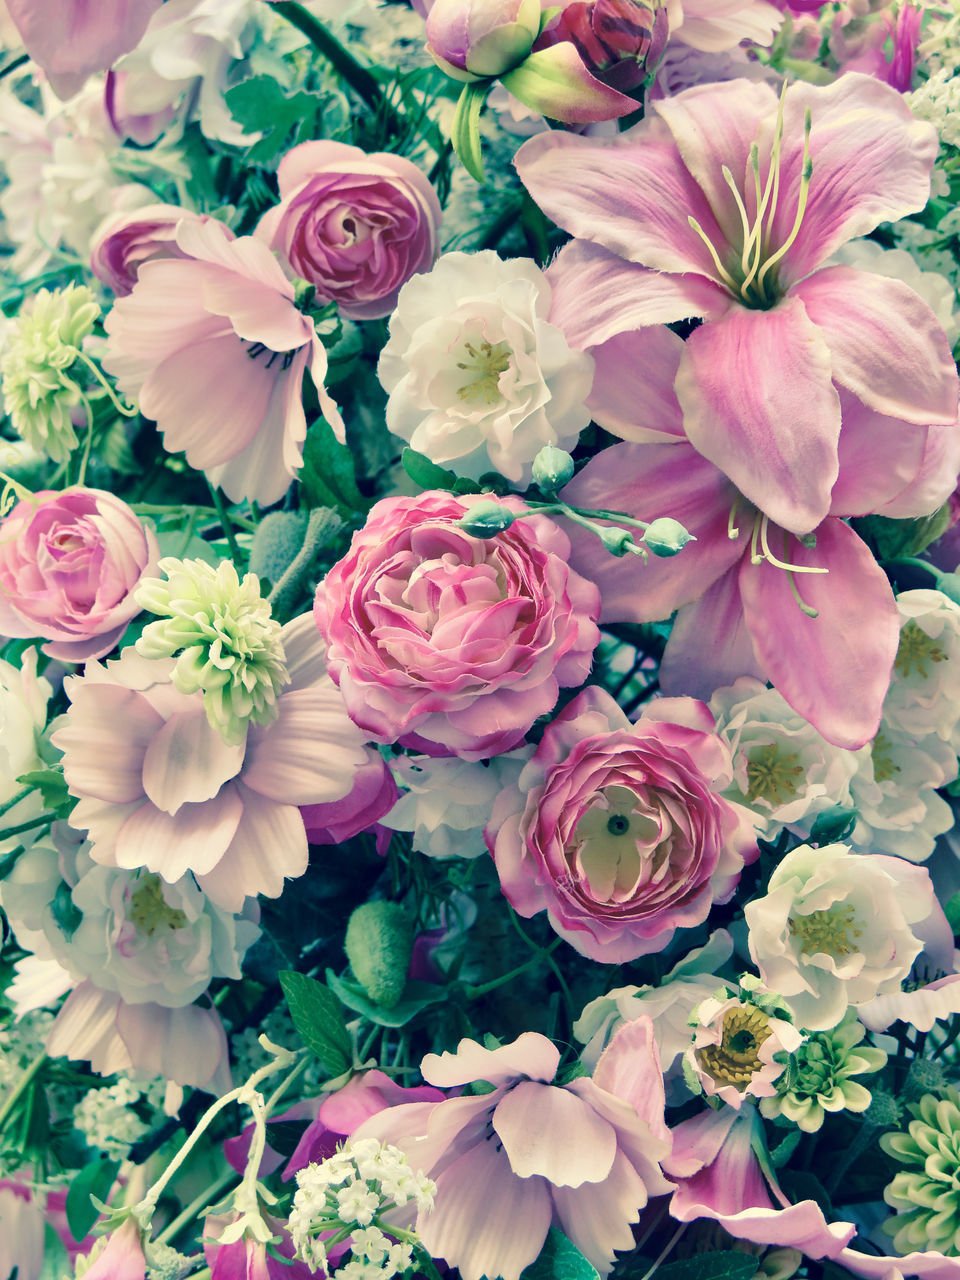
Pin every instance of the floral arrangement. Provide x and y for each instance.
(480, 615)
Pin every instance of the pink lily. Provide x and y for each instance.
(723, 205)
(817, 620)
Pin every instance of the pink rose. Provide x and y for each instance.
(618, 830)
(69, 565)
(128, 239)
(448, 642)
(353, 225)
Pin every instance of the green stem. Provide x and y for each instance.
(207, 1196)
(21, 795)
(21, 1087)
(14, 65)
(127, 410)
(7, 832)
(225, 522)
(912, 562)
(473, 992)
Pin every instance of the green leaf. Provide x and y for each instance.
(66, 915)
(318, 1018)
(722, 1265)
(465, 130)
(782, 1152)
(559, 1260)
(951, 910)
(284, 1136)
(9, 860)
(426, 473)
(51, 784)
(95, 1179)
(259, 105)
(328, 476)
(56, 1260)
(891, 539)
(416, 996)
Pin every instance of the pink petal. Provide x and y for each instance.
(757, 401)
(210, 241)
(886, 345)
(710, 645)
(257, 313)
(188, 761)
(187, 1045)
(555, 81)
(194, 839)
(85, 1028)
(310, 753)
(596, 1217)
(553, 1133)
(630, 194)
(629, 1068)
(486, 1221)
(596, 294)
(531, 1055)
(304, 651)
(647, 481)
(104, 740)
(882, 458)
(833, 669)
(936, 479)
(801, 1226)
(633, 395)
(920, 1008)
(928, 1265)
(69, 41)
(714, 26)
(270, 845)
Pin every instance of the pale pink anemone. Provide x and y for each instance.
(619, 830)
(456, 643)
(720, 206)
(127, 239)
(585, 1155)
(70, 39)
(744, 589)
(214, 350)
(159, 788)
(719, 1176)
(713, 26)
(70, 563)
(122, 1256)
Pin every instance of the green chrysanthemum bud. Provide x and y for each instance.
(379, 944)
(42, 348)
(552, 468)
(818, 1076)
(276, 543)
(486, 519)
(666, 537)
(923, 1077)
(926, 1194)
(229, 646)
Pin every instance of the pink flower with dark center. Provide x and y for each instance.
(815, 616)
(70, 563)
(214, 349)
(585, 1155)
(159, 788)
(619, 830)
(441, 640)
(724, 205)
(128, 239)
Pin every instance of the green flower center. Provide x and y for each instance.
(771, 776)
(915, 651)
(884, 767)
(832, 932)
(485, 364)
(149, 911)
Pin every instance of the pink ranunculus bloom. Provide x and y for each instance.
(903, 30)
(214, 349)
(669, 226)
(585, 1155)
(70, 39)
(355, 226)
(70, 562)
(619, 830)
(748, 605)
(159, 788)
(448, 642)
(129, 238)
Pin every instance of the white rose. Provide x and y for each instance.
(924, 694)
(477, 376)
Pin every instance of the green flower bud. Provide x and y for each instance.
(552, 468)
(617, 541)
(379, 944)
(486, 520)
(833, 824)
(276, 543)
(665, 537)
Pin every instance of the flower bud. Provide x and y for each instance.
(379, 944)
(552, 468)
(665, 537)
(617, 541)
(617, 39)
(479, 39)
(833, 824)
(486, 520)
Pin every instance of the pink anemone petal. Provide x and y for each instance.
(310, 753)
(531, 1055)
(186, 1045)
(757, 401)
(714, 26)
(800, 1226)
(86, 1029)
(105, 739)
(631, 194)
(209, 428)
(257, 313)
(498, 1232)
(920, 1008)
(927, 1265)
(193, 839)
(629, 1068)
(209, 241)
(550, 1132)
(122, 1256)
(188, 761)
(710, 645)
(833, 669)
(304, 651)
(269, 845)
(647, 481)
(596, 295)
(886, 345)
(633, 395)
(596, 1217)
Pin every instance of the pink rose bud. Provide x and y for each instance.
(617, 39)
(477, 39)
(125, 241)
(69, 565)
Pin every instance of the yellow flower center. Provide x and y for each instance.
(772, 776)
(149, 910)
(735, 1059)
(485, 366)
(616, 846)
(883, 765)
(915, 650)
(832, 931)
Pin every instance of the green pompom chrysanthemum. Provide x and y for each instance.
(926, 1195)
(228, 646)
(42, 348)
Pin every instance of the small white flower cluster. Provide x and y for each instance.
(20, 1043)
(351, 1190)
(106, 1121)
(938, 101)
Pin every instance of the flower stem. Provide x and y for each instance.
(43, 820)
(473, 992)
(225, 522)
(207, 1196)
(21, 1087)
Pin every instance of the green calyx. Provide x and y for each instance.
(926, 1194)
